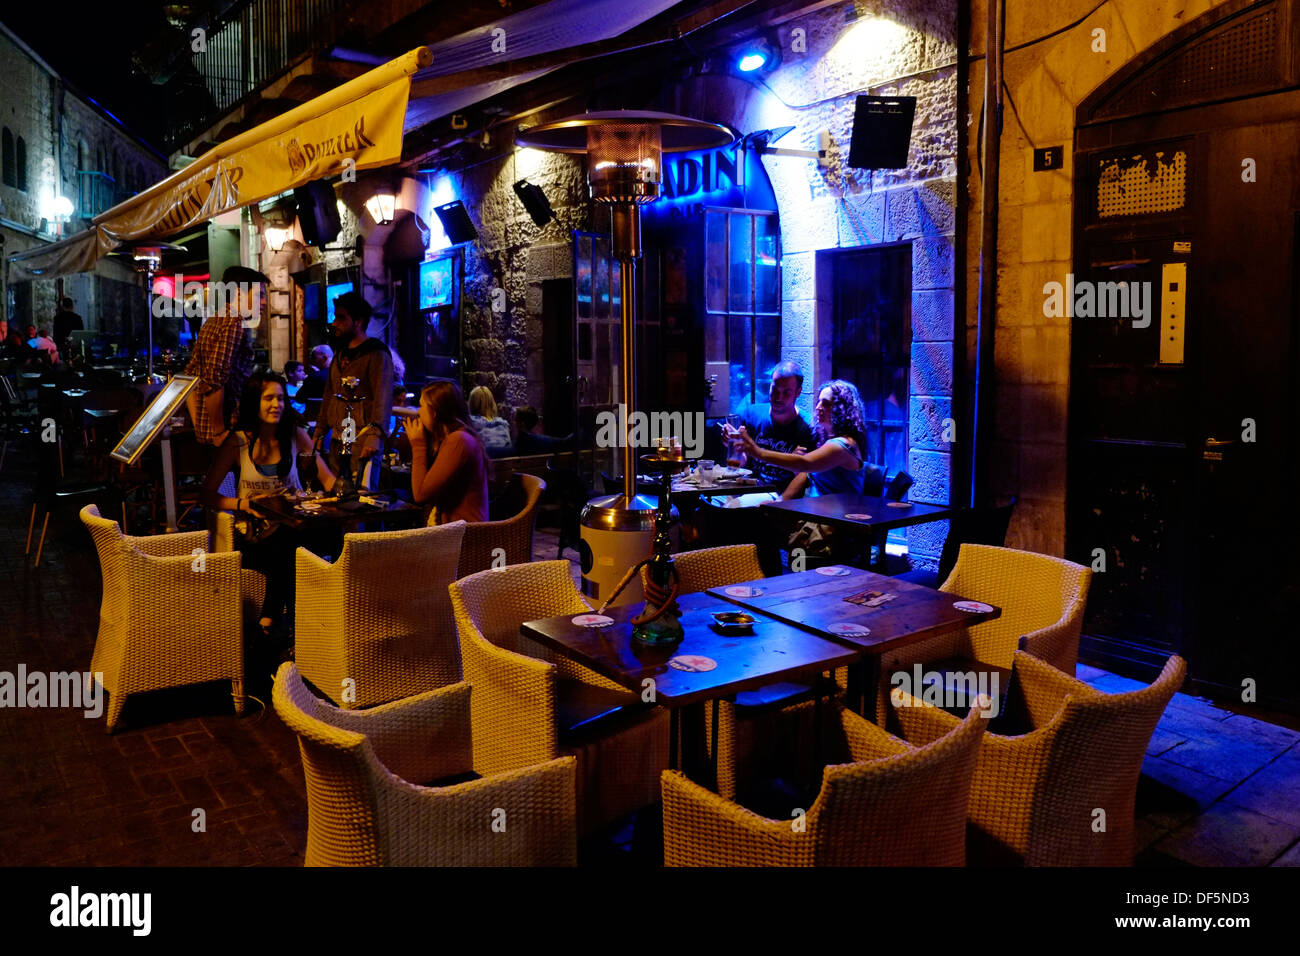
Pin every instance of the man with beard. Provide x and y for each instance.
(356, 355)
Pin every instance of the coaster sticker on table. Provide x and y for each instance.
(743, 591)
(834, 571)
(693, 663)
(972, 607)
(898, 504)
(592, 620)
(858, 516)
(847, 629)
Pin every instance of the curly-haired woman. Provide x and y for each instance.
(835, 466)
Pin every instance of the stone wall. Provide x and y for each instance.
(31, 107)
(1047, 82)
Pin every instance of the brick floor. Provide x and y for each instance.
(1217, 788)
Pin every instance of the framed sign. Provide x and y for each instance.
(156, 415)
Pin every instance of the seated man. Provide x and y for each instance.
(529, 439)
(778, 427)
(294, 375)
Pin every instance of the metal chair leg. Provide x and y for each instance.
(40, 547)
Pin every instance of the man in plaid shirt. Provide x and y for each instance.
(223, 355)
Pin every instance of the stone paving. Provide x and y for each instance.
(1218, 788)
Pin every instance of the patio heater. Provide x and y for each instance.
(147, 259)
(624, 150)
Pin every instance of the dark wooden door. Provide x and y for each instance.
(1182, 471)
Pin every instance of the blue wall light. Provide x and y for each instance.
(759, 55)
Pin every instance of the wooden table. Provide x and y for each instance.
(280, 509)
(774, 652)
(834, 510)
(815, 601)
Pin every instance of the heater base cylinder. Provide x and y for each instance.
(615, 537)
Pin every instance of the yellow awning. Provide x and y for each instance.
(361, 121)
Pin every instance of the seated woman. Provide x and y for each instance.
(494, 431)
(448, 463)
(264, 449)
(835, 465)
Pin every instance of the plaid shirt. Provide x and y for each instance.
(223, 358)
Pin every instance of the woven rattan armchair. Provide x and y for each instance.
(365, 809)
(376, 625)
(514, 535)
(1042, 600)
(893, 803)
(531, 704)
(251, 583)
(1036, 796)
(169, 617)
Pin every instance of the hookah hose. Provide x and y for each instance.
(656, 596)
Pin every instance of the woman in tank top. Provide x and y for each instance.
(263, 449)
(835, 466)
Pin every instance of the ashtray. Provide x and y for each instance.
(733, 622)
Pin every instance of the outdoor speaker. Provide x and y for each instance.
(882, 130)
(456, 222)
(318, 213)
(535, 201)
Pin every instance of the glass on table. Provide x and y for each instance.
(734, 446)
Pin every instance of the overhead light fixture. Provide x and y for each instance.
(381, 206)
(57, 209)
(755, 56)
(535, 201)
(276, 237)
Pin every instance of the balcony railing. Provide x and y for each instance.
(251, 46)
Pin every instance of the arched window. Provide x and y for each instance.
(7, 158)
(83, 181)
(21, 156)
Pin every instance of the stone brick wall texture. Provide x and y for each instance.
(1047, 81)
(33, 104)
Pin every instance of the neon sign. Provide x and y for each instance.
(694, 174)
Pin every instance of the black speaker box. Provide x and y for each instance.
(456, 222)
(318, 213)
(535, 201)
(882, 131)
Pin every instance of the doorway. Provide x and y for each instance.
(1182, 467)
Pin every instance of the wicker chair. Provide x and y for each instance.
(251, 583)
(163, 622)
(514, 534)
(1035, 797)
(362, 811)
(895, 803)
(531, 705)
(1042, 600)
(376, 625)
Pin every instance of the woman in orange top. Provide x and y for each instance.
(448, 463)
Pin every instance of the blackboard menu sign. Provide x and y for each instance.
(159, 412)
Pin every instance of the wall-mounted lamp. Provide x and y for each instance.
(276, 237)
(381, 206)
(757, 55)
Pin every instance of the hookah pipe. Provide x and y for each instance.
(656, 596)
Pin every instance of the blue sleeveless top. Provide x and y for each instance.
(839, 480)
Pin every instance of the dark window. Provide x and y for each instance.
(7, 158)
(872, 343)
(21, 157)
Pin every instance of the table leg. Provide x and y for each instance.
(714, 747)
(694, 758)
(674, 730)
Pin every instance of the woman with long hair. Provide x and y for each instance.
(264, 449)
(835, 465)
(448, 462)
(493, 431)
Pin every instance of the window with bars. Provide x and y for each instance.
(742, 298)
(872, 343)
